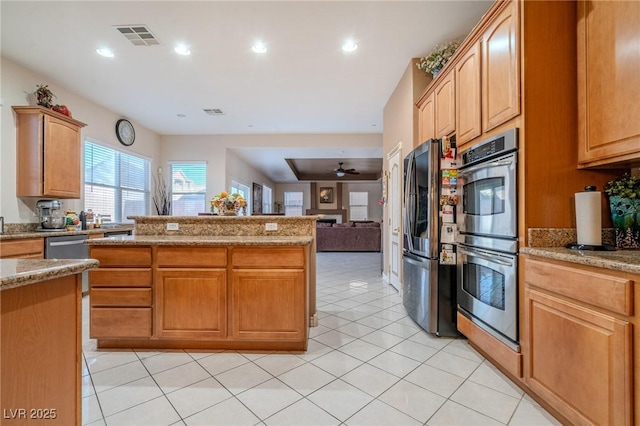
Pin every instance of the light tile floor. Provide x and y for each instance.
(367, 364)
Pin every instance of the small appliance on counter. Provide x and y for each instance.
(50, 219)
(589, 221)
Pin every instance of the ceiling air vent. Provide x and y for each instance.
(139, 35)
(213, 111)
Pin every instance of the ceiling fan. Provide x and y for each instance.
(340, 171)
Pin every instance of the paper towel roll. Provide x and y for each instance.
(588, 218)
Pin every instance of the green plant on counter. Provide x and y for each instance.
(626, 186)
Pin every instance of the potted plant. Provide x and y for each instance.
(228, 204)
(438, 58)
(44, 95)
(624, 202)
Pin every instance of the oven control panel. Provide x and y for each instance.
(500, 144)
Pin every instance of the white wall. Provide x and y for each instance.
(17, 83)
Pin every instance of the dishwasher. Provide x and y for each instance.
(68, 247)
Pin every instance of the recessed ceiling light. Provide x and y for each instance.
(349, 46)
(182, 49)
(259, 47)
(107, 53)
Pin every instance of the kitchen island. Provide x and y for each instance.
(41, 340)
(158, 291)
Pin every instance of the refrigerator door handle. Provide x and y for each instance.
(408, 226)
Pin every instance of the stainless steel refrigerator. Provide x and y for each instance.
(429, 288)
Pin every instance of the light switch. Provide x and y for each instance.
(172, 226)
(271, 226)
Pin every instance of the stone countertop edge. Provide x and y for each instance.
(215, 218)
(619, 260)
(186, 240)
(20, 272)
(46, 234)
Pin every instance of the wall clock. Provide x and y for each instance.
(125, 132)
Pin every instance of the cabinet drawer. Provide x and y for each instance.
(120, 322)
(204, 257)
(140, 297)
(605, 291)
(121, 256)
(268, 257)
(121, 277)
(33, 248)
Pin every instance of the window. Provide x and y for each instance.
(115, 184)
(293, 203)
(358, 205)
(239, 188)
(267, 199)
(188, 188)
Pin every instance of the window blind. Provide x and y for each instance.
(116, 184)
(293, 203)
(358, 205)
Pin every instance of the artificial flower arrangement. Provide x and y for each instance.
(624, 202)
(44, 98)
(228, 203)
(439, 57)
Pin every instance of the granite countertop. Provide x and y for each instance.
(44, 234)
(20, 272)
(619, 260)
(188, 240)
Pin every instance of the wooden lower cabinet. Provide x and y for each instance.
(191, 303)
(268, 304)
(202, 297)
(579, 356)
(30, 248)
(41, 353)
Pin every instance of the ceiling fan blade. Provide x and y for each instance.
(352, 172)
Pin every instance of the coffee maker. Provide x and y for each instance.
(50, 219)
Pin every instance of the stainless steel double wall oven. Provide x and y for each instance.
(487, 216)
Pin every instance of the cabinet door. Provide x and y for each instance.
(500, 69)
(608, 81)
(579, 360)
(468, 91)
(427, 119)
(268, 304)
(61, 158)
(191, 303)
(445, 106)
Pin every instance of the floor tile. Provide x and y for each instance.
(381, 414)
(157, 412)
(126, 396)
(400, 330)
(462, 348)
(414, 350)
(489, 376)
(486, 401)
(356, 330)
(276, 364)
(373, 321)
(242, 378)
(105, 361)
(306, 379)
(370, 379)
(340, 399)
(453, 364)
(361, 350)
(181, 376)
(394, 363)
(452, 414)
(268, 398)
(337, 363)
(334, 338)
(87, 386)
(91, 411)
(413, 400)
(382, 339)
(117, 376)
(435, 380)
(220, 362)
(198, 396)
(302, 413)
(165, 361)
(230, 412)
(431, 340)
(527, 414)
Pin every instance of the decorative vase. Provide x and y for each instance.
(230, 213)
(434, 73)
(625, 214)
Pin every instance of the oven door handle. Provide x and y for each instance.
(488, 257)
(485, 166)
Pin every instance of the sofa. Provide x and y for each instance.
(349, 236)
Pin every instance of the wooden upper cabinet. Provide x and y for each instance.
(468, 92)
(445, 105)
(427, 119)
(48, 153)
(608, 83)
(500, 69)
